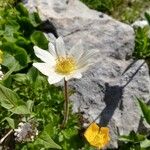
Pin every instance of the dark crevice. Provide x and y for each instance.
(48, 27)
(67, 2)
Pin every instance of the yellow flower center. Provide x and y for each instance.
(65, 65)
(1, 56)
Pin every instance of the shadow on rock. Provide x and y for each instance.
(112, 99)
(113, 96)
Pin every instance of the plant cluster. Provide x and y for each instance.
(32, 115)
(142, 41)
(138, 141)
(31, 109)
(124, 10)
(7, 3)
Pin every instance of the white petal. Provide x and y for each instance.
(84, 65)
(77, 50)
(21, 124)
(54, 78)
(51, 49)
(43, 55)
(83, 68)
(87, 58)
(18, 130)
(44, 68)
(60, 47)
(76, 75)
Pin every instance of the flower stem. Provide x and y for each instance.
(2, 139)
(66, 104)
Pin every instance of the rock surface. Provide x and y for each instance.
(107, 91)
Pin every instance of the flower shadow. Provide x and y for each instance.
(112, 99)
(113, 96)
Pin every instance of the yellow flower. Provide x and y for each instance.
(1, 56)
(97, 136)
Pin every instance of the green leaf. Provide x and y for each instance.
(14, 56)
(11, 26)
(12, 102)
(132, 137)
(11, 122)
(22, 42)
(30, 105)
(23, 11)
(147, 16)
(35, 19)
(26, 26)
(125, 138)
(11, 63)
(21, 109)
(45, 141)
(145, 110)
(7, 75)
(145, 143)
(33, 74)
(20, 77)
(39, 39)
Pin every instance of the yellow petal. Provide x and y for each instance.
(97, 136)
(91, 132)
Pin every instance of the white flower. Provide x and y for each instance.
(59, 63)
(26, 132)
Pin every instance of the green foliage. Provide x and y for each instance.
(18, 34)
(23, 11)
(24, 93)
(132, 137)
(6, 3)
(142, 42)
(145, 110)
(136, 141)
(102, 5)
(46, 104)
(14, 56)
(133, 141)
(12, 102)
(147, 16)
(44, 140)
(125, 10)
(11, 122)
(39, 39)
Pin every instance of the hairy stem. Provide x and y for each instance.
(2, 139)
(66, 104)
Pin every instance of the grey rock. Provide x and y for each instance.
(108, 90)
